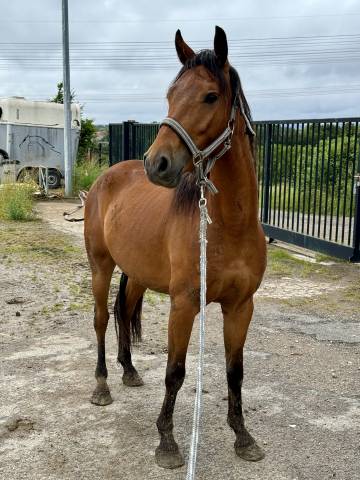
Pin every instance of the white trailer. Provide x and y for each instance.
(32, 137)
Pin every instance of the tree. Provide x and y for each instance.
(88, 129)
(59, 97)
(87, 137)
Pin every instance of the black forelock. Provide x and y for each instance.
(207, 59)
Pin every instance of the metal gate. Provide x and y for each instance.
(308, 176)
(129, 140)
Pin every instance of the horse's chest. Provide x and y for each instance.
(222, 249)
(234, 264)
(231, 278)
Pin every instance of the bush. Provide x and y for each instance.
(86, 173)
(87, 138)
(16, 201)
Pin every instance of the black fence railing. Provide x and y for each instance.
(308, 176)
(130, 140)
(308, 192)
(99, 153)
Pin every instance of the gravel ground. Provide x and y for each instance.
(301, 386)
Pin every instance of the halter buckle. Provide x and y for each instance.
(198, 159)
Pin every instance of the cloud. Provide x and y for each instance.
(266, 40)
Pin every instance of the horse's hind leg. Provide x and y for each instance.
(127, 312)
(102, 271)
(236, 323)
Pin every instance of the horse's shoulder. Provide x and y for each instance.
(120, 174)
(126, 169)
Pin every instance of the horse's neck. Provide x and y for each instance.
(234, 175)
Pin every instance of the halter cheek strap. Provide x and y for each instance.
(249, 128)
(199, 156)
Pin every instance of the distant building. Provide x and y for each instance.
(32, 136)
(100, 135)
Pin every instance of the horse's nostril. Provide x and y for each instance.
(163, 164)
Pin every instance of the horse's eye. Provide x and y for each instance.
(211, 97)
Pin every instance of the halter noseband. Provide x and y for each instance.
(199, 156)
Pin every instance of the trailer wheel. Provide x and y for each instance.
(54, 178)
(28, 174)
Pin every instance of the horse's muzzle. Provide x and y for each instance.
(160, 170)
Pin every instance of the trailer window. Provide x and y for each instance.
(0, 113)
(17, 114)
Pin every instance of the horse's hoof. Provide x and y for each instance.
(101, 397)
(132, 380)
(166, 459)
(251, 453)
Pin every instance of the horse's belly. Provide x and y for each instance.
(145, 268)
(138, 248)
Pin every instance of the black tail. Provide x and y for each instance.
(125, 334)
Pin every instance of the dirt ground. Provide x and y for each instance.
(301, 386)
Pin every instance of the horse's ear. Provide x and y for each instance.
(183, 50)
(220, 46)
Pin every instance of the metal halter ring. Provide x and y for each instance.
(202, 202)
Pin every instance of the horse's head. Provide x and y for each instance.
(200, 100)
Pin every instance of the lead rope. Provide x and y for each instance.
(82, 195)
(204, 220)
(202, 172)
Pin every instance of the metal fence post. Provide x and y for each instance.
(134, 140)
(111, 145)
(126, 143)
(100, 154)
(129, 140)
(356, 238)
(267, 172)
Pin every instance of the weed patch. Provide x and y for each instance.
(86, 173)
(16, 201)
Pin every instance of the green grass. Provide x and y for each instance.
(86, 173)
(49, 256)
(353, 294)
(283, 263)
(35, 243)
(320, 257)
(17, 202)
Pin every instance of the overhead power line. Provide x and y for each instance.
(157, 97)
(184, 20)
(249, 52)
(232, 41)
(162, 66)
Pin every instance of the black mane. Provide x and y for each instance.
(187, 192)
(207, 59)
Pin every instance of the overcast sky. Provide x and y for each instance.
(296, 59)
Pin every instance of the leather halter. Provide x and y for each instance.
(199, 156)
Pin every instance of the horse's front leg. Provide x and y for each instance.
(181, 319)
(102, 270)
(236, 322)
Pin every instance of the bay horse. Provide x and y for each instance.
(147, 223)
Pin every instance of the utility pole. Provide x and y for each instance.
(68, 160)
